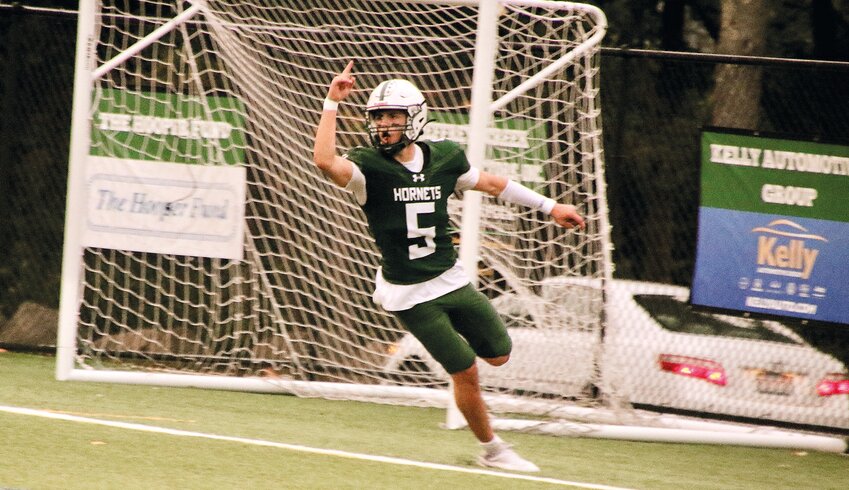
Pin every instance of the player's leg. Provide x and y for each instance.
(436, 324)
(474, 317)
(431, 324)
(496, 452)
(467, 396)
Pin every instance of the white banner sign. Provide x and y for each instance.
(168, 208)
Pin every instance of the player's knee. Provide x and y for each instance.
(497, 361)
(466, 376)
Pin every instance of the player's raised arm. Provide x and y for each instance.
(324, 151)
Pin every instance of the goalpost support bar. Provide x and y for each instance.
(79, 145)
(673, 429)
(479, 117)
(774, 439)
(559, 63)
(145, 41)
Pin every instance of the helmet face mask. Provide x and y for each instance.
(388, 127)
(399, 95)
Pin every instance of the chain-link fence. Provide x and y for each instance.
(36, 80)
(654, 105)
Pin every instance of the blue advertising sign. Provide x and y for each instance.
(773, 227)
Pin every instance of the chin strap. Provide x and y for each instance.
(391, 150)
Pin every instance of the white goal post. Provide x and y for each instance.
(203, 248)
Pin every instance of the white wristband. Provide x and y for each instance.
(330, 105)
(518, 194)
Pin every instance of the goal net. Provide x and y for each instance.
(203, 248)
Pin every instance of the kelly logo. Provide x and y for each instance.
(783, 249)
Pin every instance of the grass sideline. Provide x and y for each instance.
(42, 453)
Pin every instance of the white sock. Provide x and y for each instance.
(493, 446)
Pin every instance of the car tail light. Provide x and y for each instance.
(710, 371)
(834, 384)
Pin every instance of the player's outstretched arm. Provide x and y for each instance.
(324, 150)
(565, 215)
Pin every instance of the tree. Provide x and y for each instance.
(737, 91)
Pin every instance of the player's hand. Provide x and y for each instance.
(342, 84)
(567, 216)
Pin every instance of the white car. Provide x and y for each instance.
(656, 352)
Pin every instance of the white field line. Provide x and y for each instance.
(299, 448)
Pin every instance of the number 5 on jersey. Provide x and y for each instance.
(414, 231)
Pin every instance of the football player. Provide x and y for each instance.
(403, 184)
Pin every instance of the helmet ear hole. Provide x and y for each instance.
(416, 120)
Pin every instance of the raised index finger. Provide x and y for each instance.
(347, 70)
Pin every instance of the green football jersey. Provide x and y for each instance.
(407, 211)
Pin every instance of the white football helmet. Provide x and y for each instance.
(402, 95)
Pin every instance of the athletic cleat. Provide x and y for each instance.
(506, 459)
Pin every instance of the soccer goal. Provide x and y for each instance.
(204, 249)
